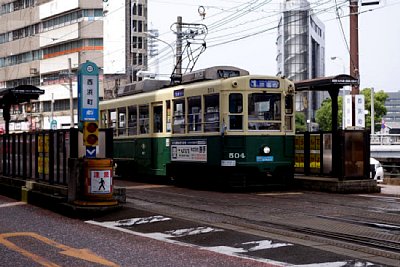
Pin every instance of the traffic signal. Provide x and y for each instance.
(91, 133)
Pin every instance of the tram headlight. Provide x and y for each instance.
(266, 150)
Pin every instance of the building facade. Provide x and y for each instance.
(391, 121)
(42, 43)
(125, 45)
(301, 51)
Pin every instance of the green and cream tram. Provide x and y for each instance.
(219, 124)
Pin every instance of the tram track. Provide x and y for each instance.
(375, 244)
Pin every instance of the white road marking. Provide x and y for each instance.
(236, 252)
(162, 237)
(137, 221)
(12, 204)
(192, 231)
(265, 244)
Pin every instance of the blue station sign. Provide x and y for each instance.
(88, 92)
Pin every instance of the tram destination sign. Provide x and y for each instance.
(263, 83)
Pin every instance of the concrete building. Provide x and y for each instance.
(392, 117)
(301, 51)
(42, 43)
(125, 45)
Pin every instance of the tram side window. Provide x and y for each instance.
(179, 116)
(103, 117)
(169, 118)
(289, 112)
(132, 120)
(143, 119)
(157, 119)
(122, 121)
(194, 116)
(211, 114)
(289, 104)
(235, 110)
(264, 111)
(112, 120)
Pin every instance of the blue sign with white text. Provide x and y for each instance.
(88, 92)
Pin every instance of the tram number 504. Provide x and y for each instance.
(236, 155)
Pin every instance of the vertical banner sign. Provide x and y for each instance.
(360, 111)
(348, 111)
(88, 92)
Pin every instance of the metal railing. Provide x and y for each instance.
(40, 156)
(385, 139)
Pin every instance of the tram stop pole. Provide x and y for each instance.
(94, 175)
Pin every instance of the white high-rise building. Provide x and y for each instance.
(125, 45)
(301, 51)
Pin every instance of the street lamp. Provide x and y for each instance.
(339, 58)
(344, 89)
(151, 35)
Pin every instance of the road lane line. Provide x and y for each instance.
(12, 204)
(83, 254)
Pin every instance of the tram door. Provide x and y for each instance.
(158, 147)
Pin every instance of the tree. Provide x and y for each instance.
(379, 107)
(324, 116)
(301, 125)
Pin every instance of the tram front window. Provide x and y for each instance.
(264, 111)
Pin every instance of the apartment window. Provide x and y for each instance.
(134, 9)
(140, 10)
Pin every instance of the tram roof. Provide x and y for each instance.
(19, 94)
(325, 83)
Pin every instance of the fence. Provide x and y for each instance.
(41, 156)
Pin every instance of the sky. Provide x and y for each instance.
(243, 34)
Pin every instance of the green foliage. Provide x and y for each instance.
(301, 125)
(379, 107)
(324, 116)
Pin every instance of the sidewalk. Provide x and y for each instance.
(390, 189)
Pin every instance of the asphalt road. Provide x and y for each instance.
(31, 236)
(170, 226)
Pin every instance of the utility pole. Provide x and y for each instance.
(354, 67)
(372, 111)
(71, 95)
(178, 71)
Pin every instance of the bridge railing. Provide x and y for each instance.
(385, 139)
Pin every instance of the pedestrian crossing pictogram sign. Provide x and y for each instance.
(100, 181)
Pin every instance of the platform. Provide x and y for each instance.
(335, 185)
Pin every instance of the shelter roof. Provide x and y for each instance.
(19, 94)
(325, 83)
